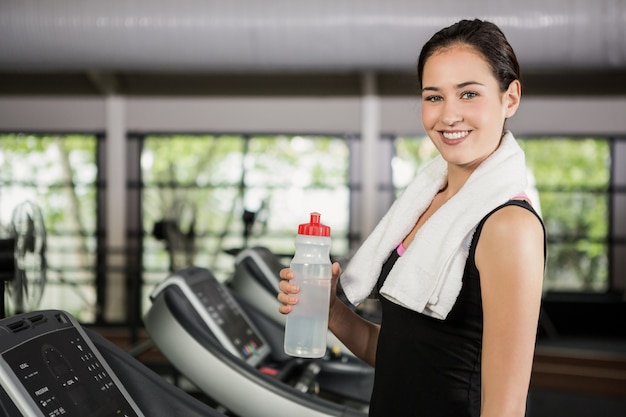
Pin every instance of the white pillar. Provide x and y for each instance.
(115, 308)
(370, 136)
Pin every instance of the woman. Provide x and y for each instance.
(458, 260)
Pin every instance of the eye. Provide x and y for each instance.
(433, 98)
(466, 95)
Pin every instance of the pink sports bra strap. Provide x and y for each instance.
(522, 196)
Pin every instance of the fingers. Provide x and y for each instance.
(287, 300)
(284, 309)
(287, 289)
(287, 292)
(336, 268)
(285, 284)
(286, 273)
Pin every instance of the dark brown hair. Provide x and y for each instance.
(486, 38)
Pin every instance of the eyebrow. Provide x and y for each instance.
(458, 86)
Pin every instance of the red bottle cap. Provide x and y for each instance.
(315, 228)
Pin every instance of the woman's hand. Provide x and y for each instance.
(288, 291)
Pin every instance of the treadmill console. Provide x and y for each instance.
(263, 265)
(220, 312)
(50, 368)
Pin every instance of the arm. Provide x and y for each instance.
(356, 333)
(510, 259)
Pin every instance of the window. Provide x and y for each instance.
(571, 177)
(190, 195)
(59, 174)
(198, 189)
(411, 154)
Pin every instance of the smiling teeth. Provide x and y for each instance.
(455, 135)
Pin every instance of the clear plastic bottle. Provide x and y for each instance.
(307, 324)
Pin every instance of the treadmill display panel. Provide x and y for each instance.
(64, 378)
(224, 311)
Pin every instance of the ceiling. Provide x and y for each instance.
(243, 47)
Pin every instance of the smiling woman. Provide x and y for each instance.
(460, 100)
(457, 262)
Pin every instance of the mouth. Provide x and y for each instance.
(455, 135)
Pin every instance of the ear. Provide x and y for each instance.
(512, 97)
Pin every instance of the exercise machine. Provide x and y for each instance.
(234, 354)
(50, 366)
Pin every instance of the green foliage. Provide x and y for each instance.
(220, 176)
(567, 163)
(50, 169)
(58, 173)
(572, 177)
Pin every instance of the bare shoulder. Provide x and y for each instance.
(513, 232)
(513, 221)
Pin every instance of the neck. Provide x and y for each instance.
(457, 177)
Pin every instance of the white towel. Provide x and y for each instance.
(428, 277)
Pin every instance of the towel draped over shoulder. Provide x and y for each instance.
(428, 277)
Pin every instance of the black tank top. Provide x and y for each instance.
(427, 367)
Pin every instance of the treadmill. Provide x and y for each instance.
(50, 366)
(204, 330)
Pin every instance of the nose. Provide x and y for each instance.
(450, 114)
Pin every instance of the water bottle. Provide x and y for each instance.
(307, 323)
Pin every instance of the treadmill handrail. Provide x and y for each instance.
(256, 268)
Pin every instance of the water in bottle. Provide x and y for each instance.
(307, 324)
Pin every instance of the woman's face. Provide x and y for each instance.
(463, 109)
